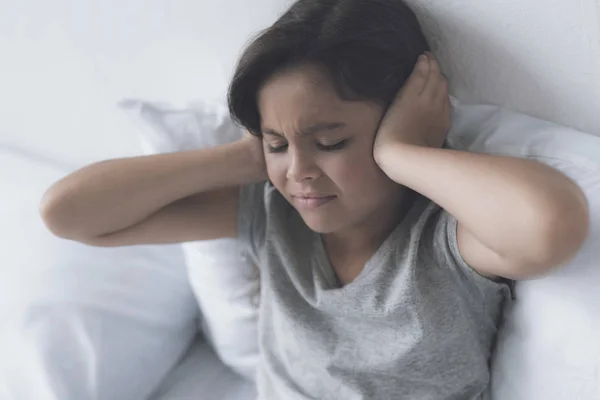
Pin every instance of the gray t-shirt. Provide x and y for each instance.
(417, 323)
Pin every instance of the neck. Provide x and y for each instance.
(361, 241)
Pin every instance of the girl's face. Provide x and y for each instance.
(319, 151)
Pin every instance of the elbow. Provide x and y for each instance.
(54, 211)
(50, 212)
(59, 212)
(561, 232)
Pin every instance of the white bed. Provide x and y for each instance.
(65, 66)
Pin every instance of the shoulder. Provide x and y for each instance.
(439, 242)
(264, 215)
(259, 200)
(260, 195)
(251, 218)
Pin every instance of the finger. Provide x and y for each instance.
(447, 104)
(442, 92)
(448, 114)
(434, 78)
(418, 78)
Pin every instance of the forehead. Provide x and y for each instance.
(304, 95)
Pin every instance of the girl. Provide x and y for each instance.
(385, 256)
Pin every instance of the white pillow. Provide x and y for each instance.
(79, 322)
(225, 282)
(549, 347)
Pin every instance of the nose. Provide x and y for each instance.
(302, 168)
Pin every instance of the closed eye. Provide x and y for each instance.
(333, 147)
(277, 149)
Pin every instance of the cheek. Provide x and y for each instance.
(276, 170)
(356, 173)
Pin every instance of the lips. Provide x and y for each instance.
(311, 201)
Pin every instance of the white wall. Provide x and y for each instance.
(540, 57)
(65, 63)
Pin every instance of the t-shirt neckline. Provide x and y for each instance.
(326, 269)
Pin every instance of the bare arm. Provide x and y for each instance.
(153, 199)
(516, 218)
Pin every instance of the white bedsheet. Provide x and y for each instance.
(201, 375)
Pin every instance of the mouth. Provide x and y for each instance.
(310, 201)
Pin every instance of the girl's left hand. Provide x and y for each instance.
(420, 113)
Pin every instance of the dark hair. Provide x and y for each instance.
(368, 48)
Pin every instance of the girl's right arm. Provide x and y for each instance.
(165, 198)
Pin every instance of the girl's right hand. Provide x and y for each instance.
(255, 146)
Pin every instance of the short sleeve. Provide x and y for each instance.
(446, 245)
(252, 219)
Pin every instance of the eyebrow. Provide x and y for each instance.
(311, 130)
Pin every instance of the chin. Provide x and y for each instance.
(321, 225)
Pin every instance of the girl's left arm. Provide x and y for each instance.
(517, 218)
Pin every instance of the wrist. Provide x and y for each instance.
(389, 153)
(409, 165)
